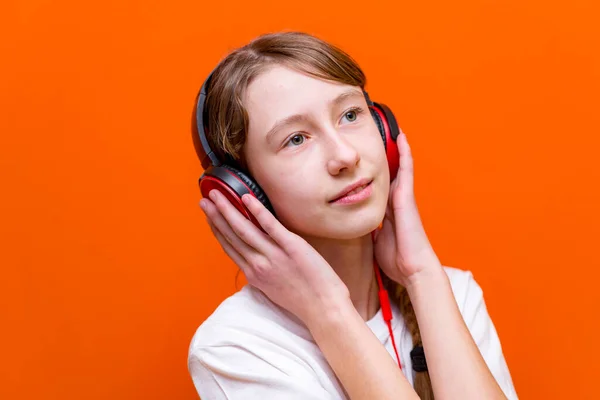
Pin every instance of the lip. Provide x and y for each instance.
(343, 198)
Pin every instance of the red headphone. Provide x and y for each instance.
(233, 183)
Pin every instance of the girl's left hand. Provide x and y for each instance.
(402, 248)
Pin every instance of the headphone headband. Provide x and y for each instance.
(207, 156)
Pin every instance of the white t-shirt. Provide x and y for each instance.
(252, 349)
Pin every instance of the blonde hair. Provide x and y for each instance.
(227, 121)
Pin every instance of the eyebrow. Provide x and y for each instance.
(302, 117)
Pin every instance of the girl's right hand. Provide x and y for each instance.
(280, 263)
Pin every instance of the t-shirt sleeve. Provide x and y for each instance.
(484, 333)
(233, 372)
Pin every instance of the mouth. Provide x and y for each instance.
(354, 193)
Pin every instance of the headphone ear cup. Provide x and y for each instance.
(252, 185)
(389, 130)
(233, 184)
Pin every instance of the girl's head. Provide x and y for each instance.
(290, 109)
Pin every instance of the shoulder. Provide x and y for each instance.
(243, 316)
(251, 348)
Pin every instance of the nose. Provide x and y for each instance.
(344, 155)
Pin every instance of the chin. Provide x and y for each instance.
(342, 224)
(357, 223)
(350, 232)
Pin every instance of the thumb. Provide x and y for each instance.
(406, 172)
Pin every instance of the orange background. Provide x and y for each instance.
(108, 266)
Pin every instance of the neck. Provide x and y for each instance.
(352, 260)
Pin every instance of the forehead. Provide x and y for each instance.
(279, 92)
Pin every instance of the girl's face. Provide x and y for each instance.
(308, 141)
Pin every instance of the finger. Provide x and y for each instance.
(240, 225)
(267, 221)
(253, 265)
(406, 173)
(229, 249)
(218, 220)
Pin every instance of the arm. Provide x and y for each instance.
(456, 366)
(475, 314)
(362, 364)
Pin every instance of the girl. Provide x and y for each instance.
(290, 112)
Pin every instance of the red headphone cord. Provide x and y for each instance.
(386, 309)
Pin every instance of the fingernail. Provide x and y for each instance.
(212, 194)
(203, 204)
(246, 199)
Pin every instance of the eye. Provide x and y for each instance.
(296, 140)
(352, 114)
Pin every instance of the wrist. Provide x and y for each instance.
(330, 316)
(425, 279)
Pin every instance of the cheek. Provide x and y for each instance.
(373, 152)
(297, 210)
(290, 193)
